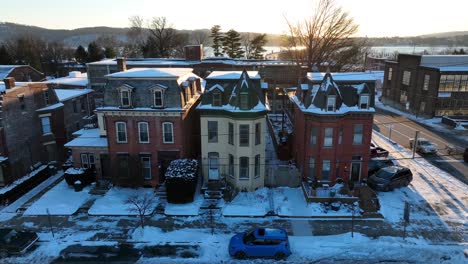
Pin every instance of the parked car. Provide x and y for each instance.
(260, 242)
(389, 178)
(423, 146)
(13, 242)
(376, 151)
(376, 164)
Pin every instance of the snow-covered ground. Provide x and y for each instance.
(60, 200)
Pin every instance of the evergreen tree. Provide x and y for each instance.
(95, 52)
(109, 52)
(80, 54)
(217, 39)
(5, 57)
(257, 46)
(232, 45)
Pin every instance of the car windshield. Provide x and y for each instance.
(249, 237)
(384, 174)
(425, 143)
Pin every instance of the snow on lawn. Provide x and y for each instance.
(433, 192)
(248, 204)
(60, 200)
(114, 202)
(188, 209)
(291, 202)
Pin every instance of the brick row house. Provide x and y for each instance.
(47, 116)
(148, 119)
(332, 129)
(427, 85)
(233, 123)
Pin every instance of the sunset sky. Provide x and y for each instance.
(376, 18)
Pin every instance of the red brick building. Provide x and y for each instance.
(149, 119)
(332, 130)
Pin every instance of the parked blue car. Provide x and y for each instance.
(260, 242)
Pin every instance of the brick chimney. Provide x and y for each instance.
(121, 64)
(9, 82)
(193, 52)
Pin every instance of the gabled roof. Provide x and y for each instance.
(67, 94)
(232, 75)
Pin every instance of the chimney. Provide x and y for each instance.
(121, 64)
(193, 52)
(9, 82)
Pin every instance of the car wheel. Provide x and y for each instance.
(3, 254)
(280, 256)
(241, 255)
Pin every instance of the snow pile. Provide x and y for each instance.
(248, 204)
(188, 209)
(74, 171)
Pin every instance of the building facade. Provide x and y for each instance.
(332, 130)
(427, 85)
(233, 125)
(148, 120)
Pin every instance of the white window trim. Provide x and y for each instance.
(218, 93)
(149, 159)
(117, 131)
(154, 97)
(356, 136)
(328, 141)
(125, 88)
(329, 100)
(139, 132)
(44, 132)
(361, 99)
(164, 132)
(427, 79)
(84, 160)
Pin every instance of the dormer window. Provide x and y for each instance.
(244, 101)
(364, 101)
(158, 98)
(331, 103)
(216, 98)
(125, 98)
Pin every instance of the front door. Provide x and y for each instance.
(105, 167)
(355, 171)
(213, 165)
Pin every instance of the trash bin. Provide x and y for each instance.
(78, 186)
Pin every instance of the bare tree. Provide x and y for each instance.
(200, 37)
(163, 41)
(325, 38)
(141, 204)
(136, 36)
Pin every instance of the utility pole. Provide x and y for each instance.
(390, 131)
(415, 141)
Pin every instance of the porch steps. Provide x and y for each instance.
(161, 193)
(213, 194)
(211, 204)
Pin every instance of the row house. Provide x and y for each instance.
(21, 73)
(233, 124)
(47, 115)
(332, 130)
(427, 85)
(148, 120)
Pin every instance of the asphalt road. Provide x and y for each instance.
(402, 129)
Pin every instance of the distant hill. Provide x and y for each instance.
(445, 34)
(83, 36)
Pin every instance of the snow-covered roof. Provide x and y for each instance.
(229, 108)
(88, 138)
(50, 107)
(344, 109)
(453, 69)
(115, 108)
(231, 75)
(2, 85)
(444, 60)
(5, 70)
(343, 76)
(264, 85)
(152, 73)
(74, 78)
(216, 86)
(67, 94)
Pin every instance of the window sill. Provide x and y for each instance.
(139, 142)
(168, 142)
(122, 142)
(243, 179)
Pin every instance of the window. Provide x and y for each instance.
(331, 102)
(244, 168)
(403, 97)
(426, 82)
(46, 97)
(364, 101)
(328, 137)
(390, 73)
(257, 166)
(212, 131)
(258, 134)
(231, 166)
(143, 133)
(406, 78)
(357, 136)
(168, 132)
(244, 135)
(75, 107)
(422, 107)
(313, 135)
(244, 101)
(87, 160)
(121, 129)
(216, 98)
(340, 135)
(125, 98)
(312, 168)
(158, 98)
(326, 170)
(231, 133)
(146, 167)
(213, 165)
(46, 125)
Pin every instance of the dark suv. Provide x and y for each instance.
(376, 164)
(389, 178)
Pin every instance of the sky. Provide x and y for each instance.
(376, 18)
